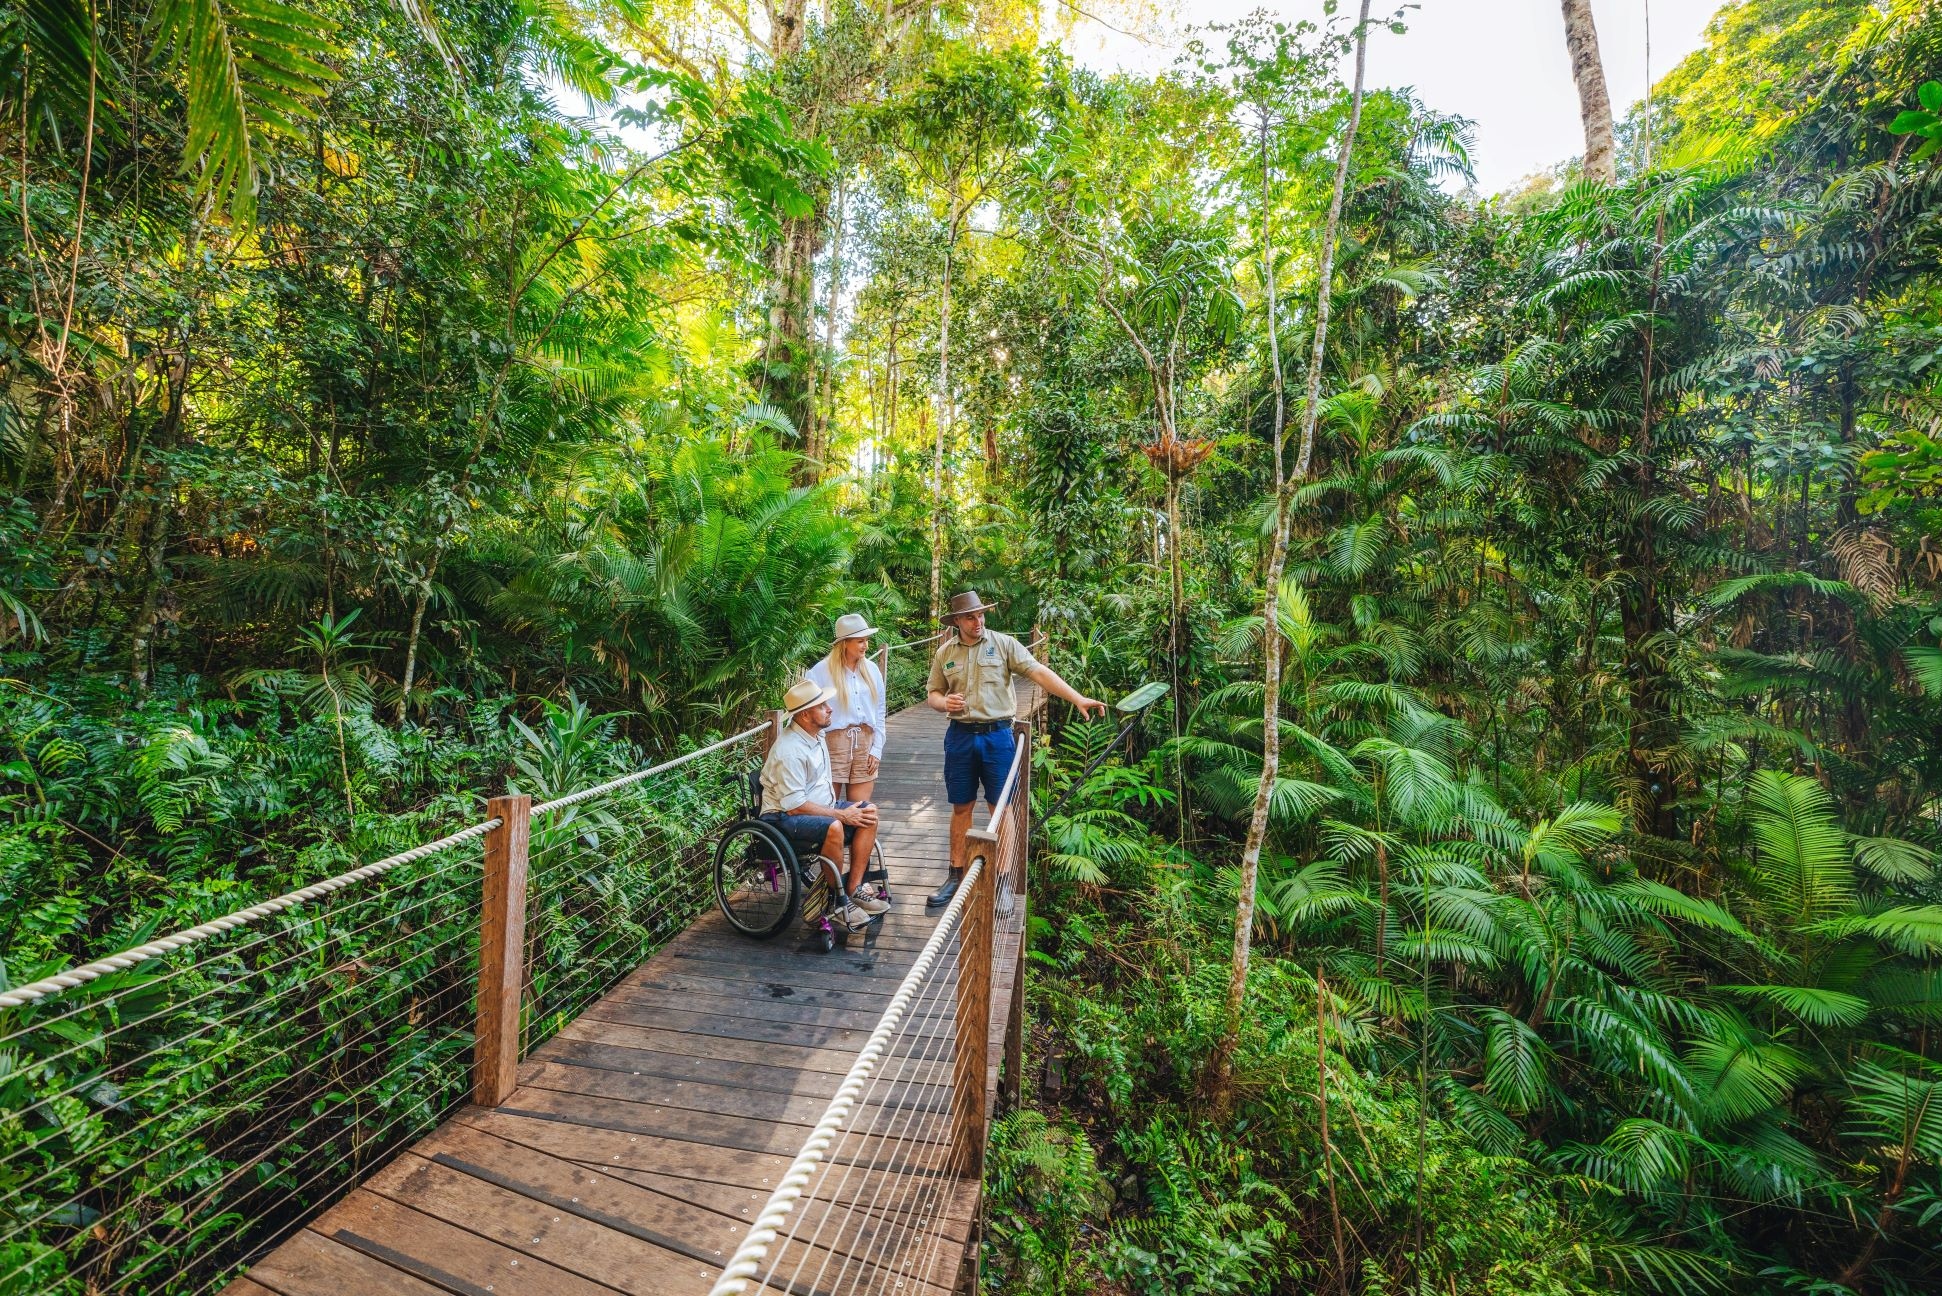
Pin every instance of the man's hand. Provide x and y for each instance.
(1086, 704)
(953, 703)
(858, 816)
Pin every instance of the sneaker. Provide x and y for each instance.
(853, 916)
(870, 901)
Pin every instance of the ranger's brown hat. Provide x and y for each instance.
(968, 601)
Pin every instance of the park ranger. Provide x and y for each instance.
(970, 682)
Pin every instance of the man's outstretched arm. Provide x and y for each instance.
(1048, 679)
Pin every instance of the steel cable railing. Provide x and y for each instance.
(173, 1109)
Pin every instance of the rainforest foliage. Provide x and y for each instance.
(398, 400)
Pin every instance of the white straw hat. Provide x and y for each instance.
(804, 694)
(852, 625)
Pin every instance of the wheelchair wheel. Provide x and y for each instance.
(756, 882)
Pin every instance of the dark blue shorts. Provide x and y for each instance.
(974, 758)
(806, 832)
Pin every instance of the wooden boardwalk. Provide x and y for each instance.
(646, 1135)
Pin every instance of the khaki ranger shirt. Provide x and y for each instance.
(981, 671)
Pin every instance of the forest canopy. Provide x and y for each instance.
(1530, 881)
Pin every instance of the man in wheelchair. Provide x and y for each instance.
(799, 799)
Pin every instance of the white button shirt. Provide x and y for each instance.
(796, 771)
(866, 702)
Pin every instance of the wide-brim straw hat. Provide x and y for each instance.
(803, 694)
(967, 602)
(852, 625)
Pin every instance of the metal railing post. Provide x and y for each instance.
(972, 1062)
(502, 951)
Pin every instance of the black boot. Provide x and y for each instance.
(942, 896)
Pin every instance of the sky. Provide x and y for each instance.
(1501, 63)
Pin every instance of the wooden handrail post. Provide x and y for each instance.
(777, 719)
(972, 1063)
(502, 951)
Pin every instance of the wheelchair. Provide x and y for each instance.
(763, 884)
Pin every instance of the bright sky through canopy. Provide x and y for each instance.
(1501, 63)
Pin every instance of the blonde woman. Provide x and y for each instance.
(856, 729)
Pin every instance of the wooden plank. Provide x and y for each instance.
(244, 1287)
(727, 1100)
(795, 1055)
(618, 1150)
(310, 1264)
(868, 997)
(750, 1076)
(443, 1254)
(845, 1039)
(745, 1007)
(837, 971)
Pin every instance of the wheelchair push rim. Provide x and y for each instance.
(756, 880)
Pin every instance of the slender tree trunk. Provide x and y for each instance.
(1219, 1076)
(943, 417)
(418, 603)
(1311, 411)
(1594, 103)
(822, 377)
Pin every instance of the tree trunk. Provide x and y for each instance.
(1218, 1082)
(418, 603)
(822, 369)
(787, 358)
(1594, 103)
(943, 418)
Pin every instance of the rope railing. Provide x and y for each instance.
(904, 1148)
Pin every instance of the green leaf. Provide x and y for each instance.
(1910, 121)
(1930, 96)
(1815, 1006)
(1925, 665)
(1802, 865)
(1892, 859)
(1658, 898)
(249, 68)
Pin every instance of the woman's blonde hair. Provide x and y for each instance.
(834, 664)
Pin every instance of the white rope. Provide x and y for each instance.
(747, 1260)
(601, 789)
(913, 643)
(61, 982)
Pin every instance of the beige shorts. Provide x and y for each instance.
(850, 760)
